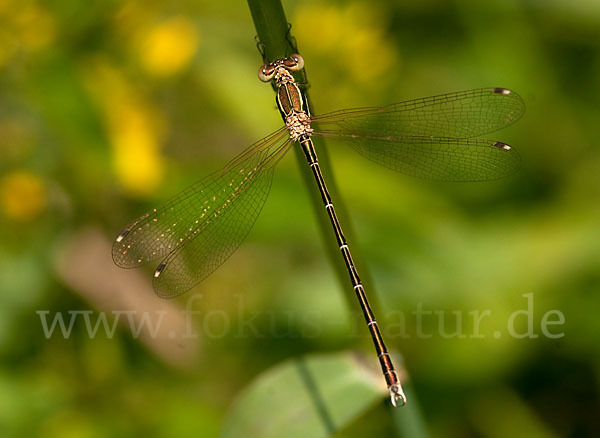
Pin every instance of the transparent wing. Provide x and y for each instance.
(211, 245)
(440, 158)
(198, 229)
(463, 114)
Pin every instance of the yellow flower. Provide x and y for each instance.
(137, 161)
(135, 128)
(169, 46)
(22, 196)
(352, 34)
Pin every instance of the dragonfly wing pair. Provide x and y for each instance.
(197, 230)
(431, 138)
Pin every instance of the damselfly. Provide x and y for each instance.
(196, 231)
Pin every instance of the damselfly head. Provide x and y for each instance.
(292, 63)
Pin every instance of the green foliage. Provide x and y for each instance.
(107, 109)
(326, 392)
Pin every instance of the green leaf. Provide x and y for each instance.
(311, 396)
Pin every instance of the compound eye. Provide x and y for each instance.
(266, 72)
(296, 64)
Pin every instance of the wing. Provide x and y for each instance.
(198, 229)
(462, 115)
(429, 137)
(439, 158)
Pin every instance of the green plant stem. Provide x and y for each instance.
(273, 32)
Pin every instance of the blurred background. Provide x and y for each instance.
(108, 108)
